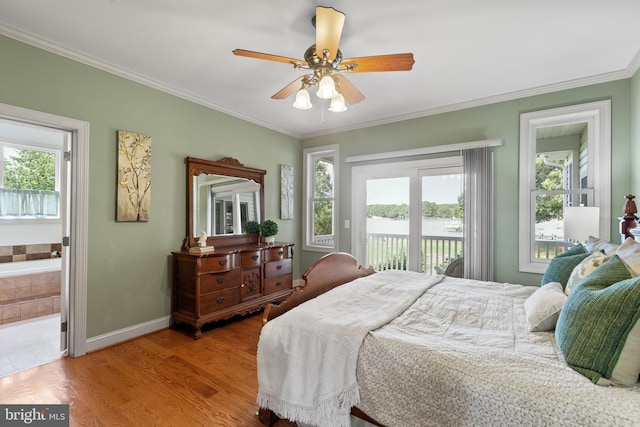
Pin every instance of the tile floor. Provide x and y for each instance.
(29, 343)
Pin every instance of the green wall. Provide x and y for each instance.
(129, 268)
(635, 135)
(495, 121)
(129, 263)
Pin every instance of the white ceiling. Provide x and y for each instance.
(467, 52)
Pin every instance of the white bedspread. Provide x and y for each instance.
(462, 356)
(307, 358)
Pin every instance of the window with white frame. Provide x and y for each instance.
(29, 181)
(320, 170)
(565, 161)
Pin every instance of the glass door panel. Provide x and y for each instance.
(441, 239)
(387, 223)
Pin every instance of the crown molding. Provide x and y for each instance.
(44, 44)
(130, 75)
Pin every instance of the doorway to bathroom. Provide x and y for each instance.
(34, 214)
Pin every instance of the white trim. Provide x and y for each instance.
(125, 334)
(597, 115)
(308, 155)
(425, 150)
(79, 211)
(47, 45)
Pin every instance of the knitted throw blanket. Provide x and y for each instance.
(307, 358)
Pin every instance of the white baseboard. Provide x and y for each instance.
(298, 282)
(115, 337)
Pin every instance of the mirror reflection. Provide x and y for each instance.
(222, 204)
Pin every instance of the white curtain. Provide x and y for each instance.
(478, 213)
(29, 203)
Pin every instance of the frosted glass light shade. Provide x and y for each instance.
(337, 104)
(303, 100)
(326, 88)
(581, 222)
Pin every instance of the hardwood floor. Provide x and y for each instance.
(162, 379)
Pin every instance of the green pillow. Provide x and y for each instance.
(598, 331)
(574, 250)
(561, 267)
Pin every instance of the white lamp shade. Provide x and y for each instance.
(337, 104)
(303, 100)
(581, 222)
(326, 88)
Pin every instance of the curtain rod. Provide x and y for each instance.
(425, 150)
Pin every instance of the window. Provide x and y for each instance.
(29, 182)
(408, 215)
(320, 195)
(565, 160)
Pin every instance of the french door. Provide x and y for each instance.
(408, 215)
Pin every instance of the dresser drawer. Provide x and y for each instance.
(275, 254)
(277, 284)
(214, 282)
(277, 268)
(251, 258)
(219, 300)
(219, 263)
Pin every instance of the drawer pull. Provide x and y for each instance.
(255, 257)
(278, 284)
(279, 267)
(223, 261)
(220, 300)
(220, 279)
(280, 252)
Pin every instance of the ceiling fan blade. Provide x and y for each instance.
(289, 89)
(369, 64)
(351, 94)
(267, 56)
(329, 23)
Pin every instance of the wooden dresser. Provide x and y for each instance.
(232, 280)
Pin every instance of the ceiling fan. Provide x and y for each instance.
(324, 59)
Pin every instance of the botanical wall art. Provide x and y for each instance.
(286, 192)
(134, 176)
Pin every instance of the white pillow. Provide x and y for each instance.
(581, 270)
(543, 307)
(629, 252)
(596, 245)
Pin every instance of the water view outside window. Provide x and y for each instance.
(388, 221)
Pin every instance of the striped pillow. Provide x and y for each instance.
(598, 330)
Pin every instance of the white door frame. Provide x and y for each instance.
(77, 321)
(414, 169)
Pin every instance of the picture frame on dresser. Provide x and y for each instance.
(239, 276)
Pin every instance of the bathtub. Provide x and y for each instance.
(21, 268)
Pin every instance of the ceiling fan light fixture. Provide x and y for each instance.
(303, 100)
(337, 104)
(326, 88)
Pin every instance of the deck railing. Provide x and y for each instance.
(389, 251)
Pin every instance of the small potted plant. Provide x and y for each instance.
(268, 230)
(251, 227)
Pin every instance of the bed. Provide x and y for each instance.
(417, 350)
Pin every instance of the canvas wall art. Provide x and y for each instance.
(134, 177)
(286, 192)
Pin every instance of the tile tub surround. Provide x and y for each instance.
(18, 253)
(28, 296)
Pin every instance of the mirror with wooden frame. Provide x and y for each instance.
(222, 196)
